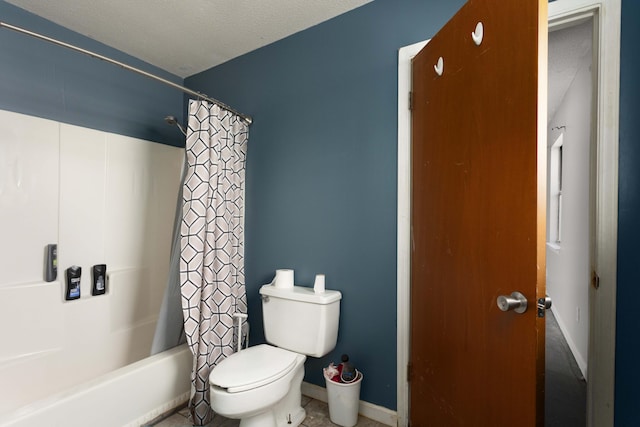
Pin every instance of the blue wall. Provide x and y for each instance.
(321, 169)
(627, 398)
(43, 80)
(321, 176)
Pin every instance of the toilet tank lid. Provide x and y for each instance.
(301, 293)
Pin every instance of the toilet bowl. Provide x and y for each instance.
(261, 385)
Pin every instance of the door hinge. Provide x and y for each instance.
(595, 280)
(410, 100)
(409, 371)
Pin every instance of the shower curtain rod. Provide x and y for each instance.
(199, 95)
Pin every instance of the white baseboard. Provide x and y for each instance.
(582, 364)
(374, 412)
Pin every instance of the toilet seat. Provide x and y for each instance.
(251, 368)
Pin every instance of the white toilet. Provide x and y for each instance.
(261, 385)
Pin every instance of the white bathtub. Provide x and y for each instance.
(129, 396)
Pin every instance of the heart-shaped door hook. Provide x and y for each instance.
(478, 34)
(439, 67)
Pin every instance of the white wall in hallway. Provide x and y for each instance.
(568, 265)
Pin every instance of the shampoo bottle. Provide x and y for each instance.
(73, 282)
(348, 373)
(51, 263)
(99, 279)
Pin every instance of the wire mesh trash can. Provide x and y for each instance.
(344, 399)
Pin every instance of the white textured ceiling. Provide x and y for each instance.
(185, 37)
(568, 50)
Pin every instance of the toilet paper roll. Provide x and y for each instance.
(318, 285)
(283, 279)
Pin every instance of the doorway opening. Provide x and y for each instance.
(605, 18)
(569, 222)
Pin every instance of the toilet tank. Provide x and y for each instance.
(300, 320)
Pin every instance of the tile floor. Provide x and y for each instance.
(317, 416)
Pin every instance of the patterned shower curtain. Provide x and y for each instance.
(212, 242)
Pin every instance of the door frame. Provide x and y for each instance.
(606, 87)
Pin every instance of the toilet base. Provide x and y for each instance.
(295, 419)
(264, 419)
(287, 412)
(268, 419)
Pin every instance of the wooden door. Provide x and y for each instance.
(478, 219)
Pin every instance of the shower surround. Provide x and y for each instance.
(104, 199)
